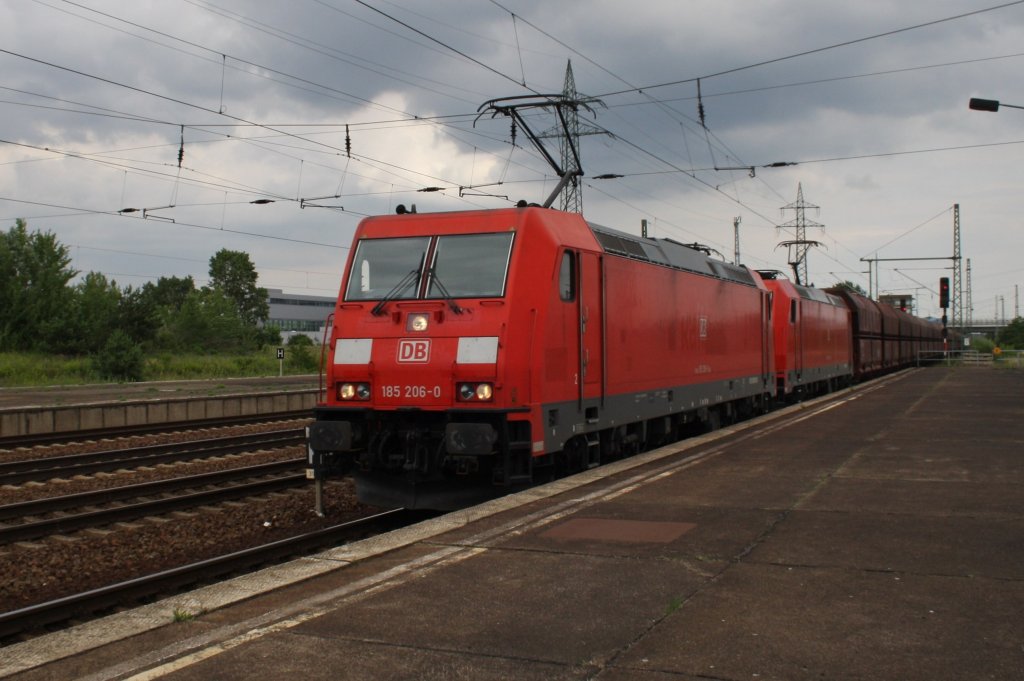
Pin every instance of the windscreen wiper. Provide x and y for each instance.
(399, 288)
(444, 293)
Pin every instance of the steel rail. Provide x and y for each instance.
(131, 591)
(98, 497)
(15, 472)
(142, 509)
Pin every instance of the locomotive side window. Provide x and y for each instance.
(792, 312)
(470, 266)
(567, 277)
(386, 268)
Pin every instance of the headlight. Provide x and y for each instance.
(475, 392)
(417, 321)
(353, 391)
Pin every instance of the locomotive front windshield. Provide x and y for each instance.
(387, 267)
(462, 266)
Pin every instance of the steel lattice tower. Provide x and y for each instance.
(568, 134)
(957, 294)
(572, 197)
(799, 246)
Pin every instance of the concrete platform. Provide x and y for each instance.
(877, 534)
(63, 409)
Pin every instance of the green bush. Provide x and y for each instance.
(300, 340)
(981, 344)
(120, 359)
(302, 358)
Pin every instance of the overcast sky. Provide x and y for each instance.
(869, 99)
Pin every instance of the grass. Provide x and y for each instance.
(34, 370)
(182, 615)
(24, 369)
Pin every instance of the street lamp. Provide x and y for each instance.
(979, 104)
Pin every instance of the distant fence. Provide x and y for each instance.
(1012, 358)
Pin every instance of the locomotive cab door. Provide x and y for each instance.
(591, 322)
(797, 323)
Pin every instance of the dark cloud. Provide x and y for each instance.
(302, 68)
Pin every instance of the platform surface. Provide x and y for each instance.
(878, 534)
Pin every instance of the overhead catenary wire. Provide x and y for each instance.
(307, 155)
(817, 50)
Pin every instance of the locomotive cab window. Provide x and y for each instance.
(463, 266)
(567, 277)
(387, 267)
(470, 266)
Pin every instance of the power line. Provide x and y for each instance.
(240, 60)
(449, 47)
(821, 81)
(817, 50)
(938, 215)
(325, 50)
(800, 162)
(674, 113)
(92, 211)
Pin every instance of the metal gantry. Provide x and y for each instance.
(569, 170)
(956, 293)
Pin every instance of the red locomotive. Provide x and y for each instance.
(493, 348)
(475, 352)
(813, 343)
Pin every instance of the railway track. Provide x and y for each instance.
(42, 469)
(123, 594)
(186, 494)
(220, 495)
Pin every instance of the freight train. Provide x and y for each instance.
(474, 353)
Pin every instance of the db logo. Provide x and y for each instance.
(414, 350)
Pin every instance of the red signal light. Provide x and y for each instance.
(944, 292)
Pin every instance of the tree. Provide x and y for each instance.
(1012, 335)
(207, 322)
(145, 311)
(92, 314)
(168, 292)
(34, 273)
(137, 315)
(850, 286)
(233, 275)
